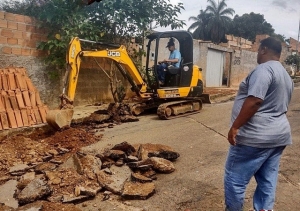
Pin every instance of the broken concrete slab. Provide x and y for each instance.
(7, 192)
(137, 177)
(136, 190)
(156, 150)
(36, 206)
(160, 164)
(115, 181)
(35, 190)
(18, 169)
(125, 147)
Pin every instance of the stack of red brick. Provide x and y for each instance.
(20, 103)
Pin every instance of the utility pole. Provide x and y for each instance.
(298, 38)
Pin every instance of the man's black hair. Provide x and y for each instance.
(272, 44)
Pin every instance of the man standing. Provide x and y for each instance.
(259, 131)
(174, 60)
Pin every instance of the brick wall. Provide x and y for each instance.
(19, 38)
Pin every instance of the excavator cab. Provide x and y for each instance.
(185, 82)
(156, 50)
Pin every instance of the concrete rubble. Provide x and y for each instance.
(125, 170)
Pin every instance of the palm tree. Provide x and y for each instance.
(219, 21)
(200, 25)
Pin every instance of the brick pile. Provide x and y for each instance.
(20, 103)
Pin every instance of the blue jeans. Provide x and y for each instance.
(242, 163)
(161, 71)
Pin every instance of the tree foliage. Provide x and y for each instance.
(108, 19)
(213, 22)
(220, 21)
(200, 26)
(250, 25)
(293, 60)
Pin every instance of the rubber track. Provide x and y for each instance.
(161, 109)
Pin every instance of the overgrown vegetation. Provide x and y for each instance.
(293, 60)
(115, 21)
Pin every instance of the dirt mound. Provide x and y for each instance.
(42, 144)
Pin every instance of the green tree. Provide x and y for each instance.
(219, 21)
(200, 25)
(250, 25)
(293, 60)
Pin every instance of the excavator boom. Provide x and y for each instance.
(63, 116)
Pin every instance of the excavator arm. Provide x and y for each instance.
(61, 118)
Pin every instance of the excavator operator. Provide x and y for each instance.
(172, 62)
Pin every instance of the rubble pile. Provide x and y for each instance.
(20, 103)
(55, 171)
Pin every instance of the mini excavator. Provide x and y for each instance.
(181, 94)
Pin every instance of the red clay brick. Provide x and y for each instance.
(29, 84)
(3, 40)
(26, 35)
(9, 16)
(31, 44)
(13, 100)
(11, 118)
(3, 23)
(18, 118)
(32, 98)
(20, 80)
(26, 98)
(20, 99)
(12, 25)
(16, 51)
(7, 33)
(30, 28)
(6, 50)
(11, 81)
(4, 82)
(24, 117)
(6, 100)
(38, 99)
(18, 34)
(28, 20)
(12, 41)
(35, 36)
(25, 52)
(31, 117)
(21, 42)
(37, 115)
(2, 108)
(43, 113)
(20, 18)
(4, 120)
(2, 14)
(21, 27)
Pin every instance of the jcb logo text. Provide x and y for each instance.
(113, 53)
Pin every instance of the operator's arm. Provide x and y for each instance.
(249, 108)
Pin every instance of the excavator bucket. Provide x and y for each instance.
(58, 119)
(205, 98)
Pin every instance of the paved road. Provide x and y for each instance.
(200, 139)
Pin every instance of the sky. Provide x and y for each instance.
(283, 15)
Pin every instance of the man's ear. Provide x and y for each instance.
(264, 50)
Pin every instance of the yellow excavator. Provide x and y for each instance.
(181, 94)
